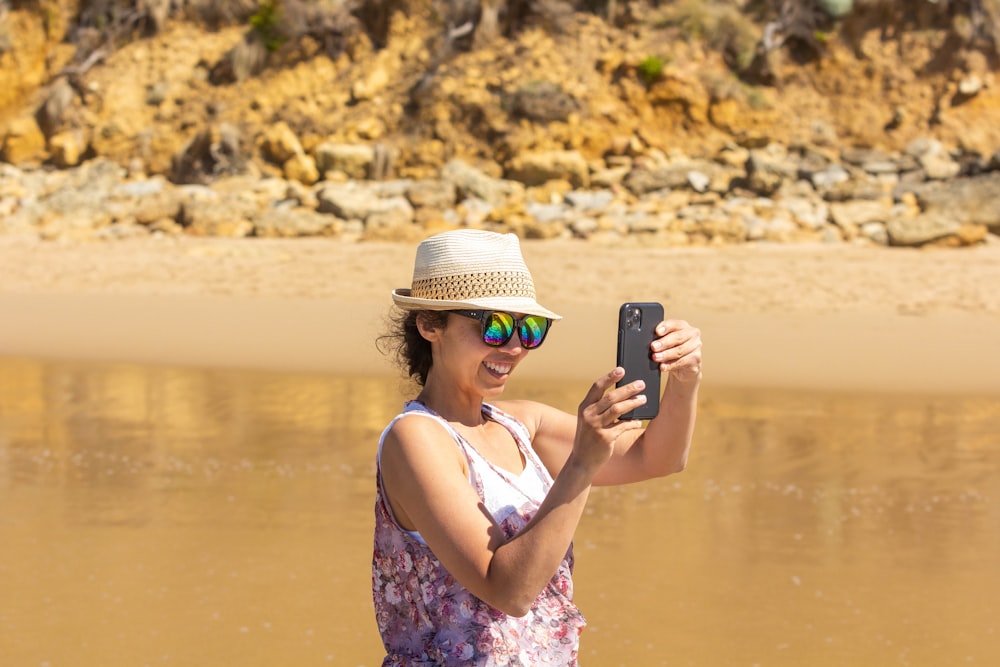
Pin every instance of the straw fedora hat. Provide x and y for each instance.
(471, 268)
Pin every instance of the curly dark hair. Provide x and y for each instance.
(411, 351)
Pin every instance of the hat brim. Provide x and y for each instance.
(511, 304)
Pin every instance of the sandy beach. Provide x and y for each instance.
(810, 316)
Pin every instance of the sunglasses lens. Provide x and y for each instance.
(533, 329)
(499, 329)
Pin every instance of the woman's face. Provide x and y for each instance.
(460, 354)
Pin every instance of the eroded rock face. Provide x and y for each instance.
(578, 89)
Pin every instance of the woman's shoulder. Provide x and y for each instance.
(415, 437)
(529, 413)
(417, 424)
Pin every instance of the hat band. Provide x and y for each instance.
(475, 286)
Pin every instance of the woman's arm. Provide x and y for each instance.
(427, 485)
(663, 447)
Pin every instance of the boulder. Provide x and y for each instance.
(301, 168)
(229, 217)
(431, 193)
(353, 160)
(280, 143)
(285, 222)
(921, 229)
(768, 168)
(472, 182)
(973, 200)
(66, 149)
(23, 142)
(541, 167)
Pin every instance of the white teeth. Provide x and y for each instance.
(502, 369)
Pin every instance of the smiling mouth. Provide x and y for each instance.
(497, 368)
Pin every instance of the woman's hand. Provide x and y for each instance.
(598, 426)
(677, 348)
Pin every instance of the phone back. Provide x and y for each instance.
(636, 330)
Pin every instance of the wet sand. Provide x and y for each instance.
(817, 317)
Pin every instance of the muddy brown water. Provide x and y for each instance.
(156, 515)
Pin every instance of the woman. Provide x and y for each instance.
(477, 501)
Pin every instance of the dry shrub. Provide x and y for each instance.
(6, 40)
(278, 27)
(218, 13)
(721, 25)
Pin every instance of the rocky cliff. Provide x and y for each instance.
(580, 98)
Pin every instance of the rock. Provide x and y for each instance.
(229, 217)
(970, 86)
(50, 114)
(831, 234)
(389, 212)
(166, 227)
(862, 187)
(73, 225)
(643, 181)
(301, 168)
(376, 79)
(121, 230)
(776, 230)
(472, 212)
(353, 202)
(853, 214)
(155, 207)
(606, 178)
(66, 149)
(547, 212)
(807, 212)
(837, 8)
(768, 168)
(542, 101)
(140, 188)
(698, 180)
(294, 222)
(344, 200)
(19, 223)
(212, 152)
(431, 193)
(585, 200)
(640, 222)
(826, 178)
(731, 229)
(921, 229)
(971, 234)
(550, 192)
(584, 227)
(471, 182)
(353, 160)
(298, 194)
(933, 158)
(875, 232)
(280, 143)
(539, 168)
(973, 200)
(23, 143)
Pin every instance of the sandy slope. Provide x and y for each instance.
(812, 316)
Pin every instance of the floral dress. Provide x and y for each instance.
(427, 618)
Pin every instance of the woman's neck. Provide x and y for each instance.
(452, 404)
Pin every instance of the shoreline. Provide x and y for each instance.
(784, 317)
(807, 352)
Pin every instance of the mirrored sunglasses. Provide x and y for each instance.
(499, 327)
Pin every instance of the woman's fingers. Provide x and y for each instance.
(605, 403)
(678, 349)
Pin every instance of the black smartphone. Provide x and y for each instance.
(636, 330)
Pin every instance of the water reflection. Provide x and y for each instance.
(203, 517)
